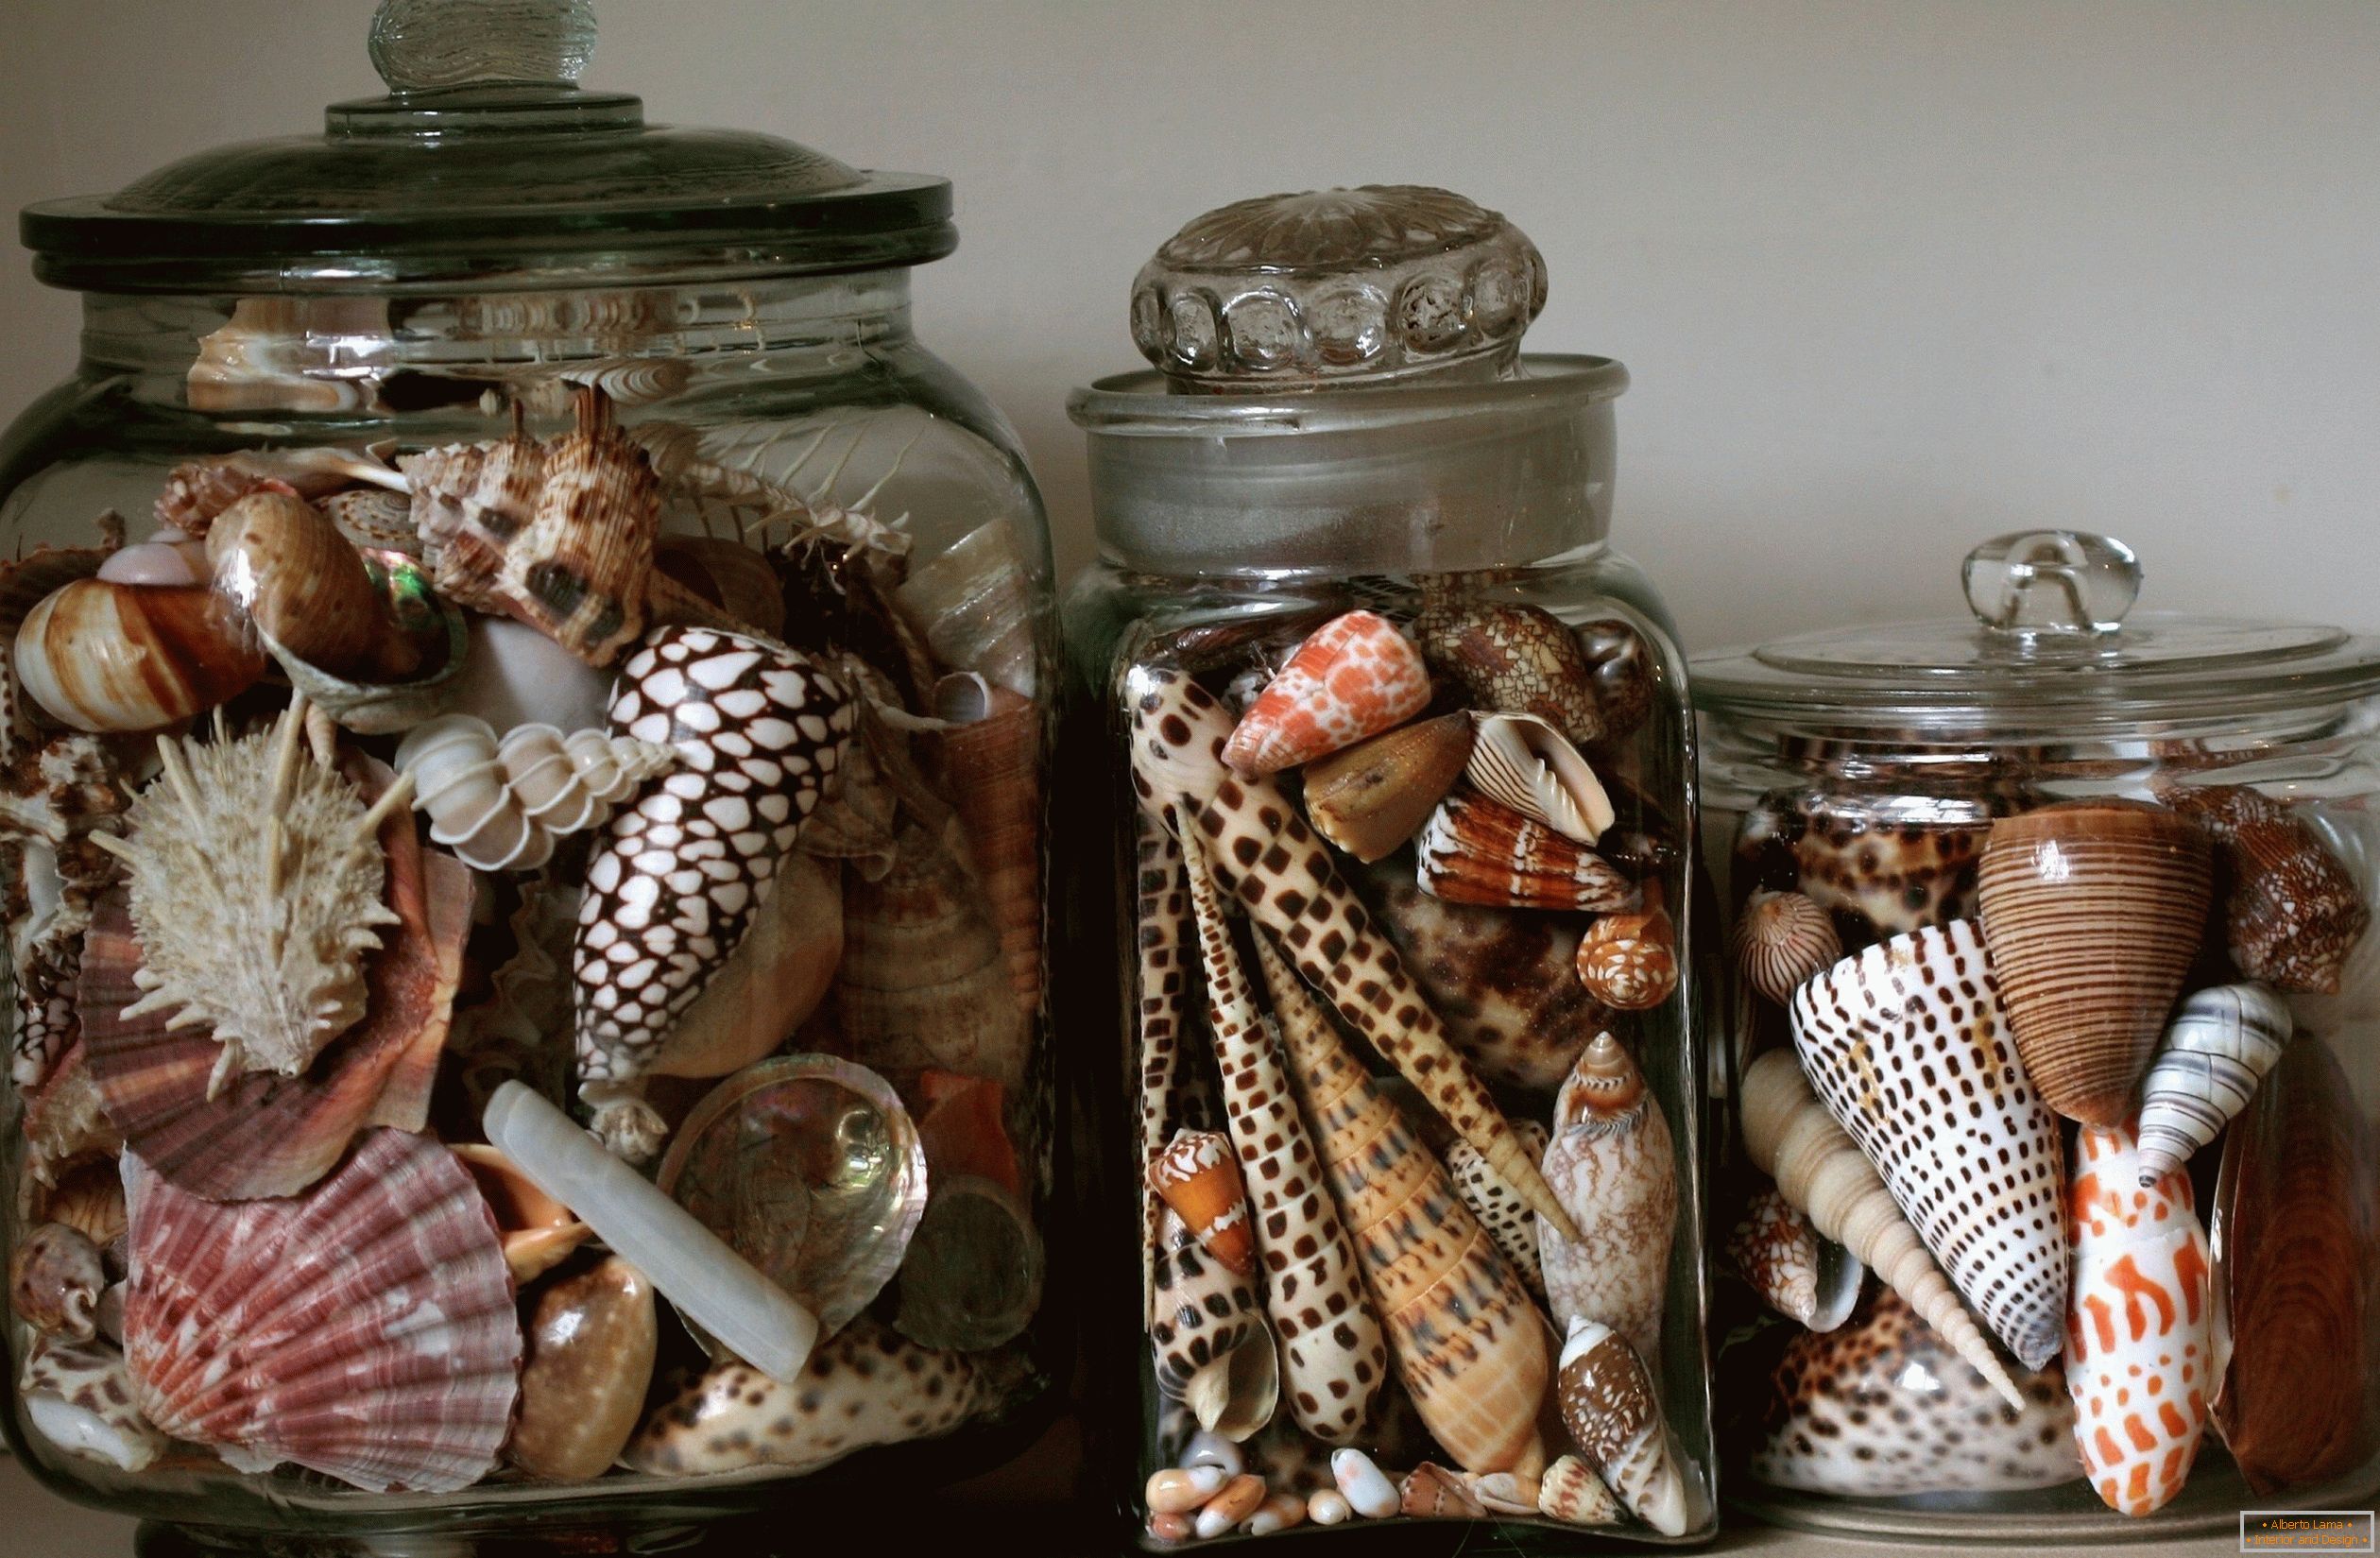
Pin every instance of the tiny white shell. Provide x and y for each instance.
(1522, 761)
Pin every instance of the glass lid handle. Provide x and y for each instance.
(422, 45)
(2052, 582)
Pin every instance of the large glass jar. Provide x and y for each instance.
(2051, 1194)
(510, 633)
(1384, 755)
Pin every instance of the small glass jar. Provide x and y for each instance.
(2051, 1193)
(1385, 753)
(509, 630)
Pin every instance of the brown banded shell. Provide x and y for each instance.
(102, 656)
(1473, 850)
(1629, 961)
(1368, 800)
(1522, 762)
(1614, 1415)
(307, 588)
(1781, 939)
(2291, 913)
(923, 982)
(1431, 1492)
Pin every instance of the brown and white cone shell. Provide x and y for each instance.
(2216, 1050)
(1781, 939)
(1522, 762)
(1516, 659)
(1907, 1044)
(1369, 798)
(1571, 1493)
(1614, 1415)
(76, 1395)
(1199, 1177)
(2093, 912)
(1476, 851)
(1629, 962)
(1498, 1205)
(1613, 1164)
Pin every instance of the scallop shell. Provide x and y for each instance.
(590, 1361)
(1517, 659)
(54, 1278)
(1197, 1175)
(364, 1330)
(2215, 1051)
(1629, 961)
(1614, 1415)
(78, 1396)
(1612, 1163)
(1498, 1205)
(973, 604)
(1884, 1409)
(103, 656)
(2139, 1343)
(1808, 1279)
(1522, 762)
(992, 754)
(1474, 851)
(307, 590)
(1907, 1044)
(1369, 798)
(1214, 1350)
(773, 983)
(922, 982)
(538, 1232)
(2291, 912)
(1781, 939)
(1356, 677)
(2092, 911)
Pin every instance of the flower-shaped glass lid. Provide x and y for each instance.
(2051, 642)
(486, 162)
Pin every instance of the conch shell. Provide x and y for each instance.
(1612, 1162)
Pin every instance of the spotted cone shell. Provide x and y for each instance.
(1907, 1044)
(2093, 912)
(1356, 677)
(760, 733)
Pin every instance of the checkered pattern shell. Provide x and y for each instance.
(760, 733)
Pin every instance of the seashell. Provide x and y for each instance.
(559, 533)
(1501, 980)
(2139, 1342)
(1284, 877)
(55, 1280)
(815, 1131)
(78, 1396)
(1213, 1351)
(1198, 1176)
(1473, 850)
(1160, 904)
(1813, 1281)
(538, 1232)
(436, 628)
(64, 1124)
(509, 1036)
(1332, 1351)
(1429, 1492)
(2092, 911)
(1896, 861)
(1629, 961)
(2217, 1049)
(197, 490)
(499, 805)
(254, 881)
(1369, 798)
(1521, 761)
(1356, 677)
(1279, 1512)
(962, 1123)
(1522, 660)
(973, 1274)
(772, 983)
(1366, 1487)
(1239, 1498)
(1182, 1490)
(923, 983)
(1612, 1163)
(385, 1277)
(2296, 1240)
(2291, 912)
(711, 1284)
(567, 783)
(973, 604)
(1907, 1044)
(304, 354)
(307, 589)
(374, 517)
(1614, 1415)
(672, 889)
(1790, 1136)
(1498, 1205)
(1781, 939)
(1502, 1493)
(25, 583)
(865, 1387)
(1883, 1408)
(78, 786)
(589, 1364)
(168, 559)
(514, 674)
(1329, 1507)
(102, 656)
(730, 576)
(992, 754)
(1571, 1493)
(88, 1198)
(1213, 1449)
(1466, 1341)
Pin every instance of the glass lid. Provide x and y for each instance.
(2053, 644)
(487, 162)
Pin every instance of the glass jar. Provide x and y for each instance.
(2052, 1006)
(1385, 754)
(490, 654)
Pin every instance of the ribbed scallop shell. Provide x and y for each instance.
(1615, 1168)
(1474, 851)
(1906, 1043)
(1781, 939)
(1522, 762)
(2215, 1051)
(1356, 677)
(364, 1330)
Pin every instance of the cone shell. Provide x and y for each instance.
(1629, 961)
(1522, 660)
(1907, 1044)
(2291, 912)
(1612, 1163)
(774, 981)
(307, 588)
(1354, 678)
(1498, 1205)
(2093, 912)
(1369, 798)
(2139, 1341)
(993, 758)
(364, 1330)
(1571, 1493)
(1521, 761)
(923, 982)
(1884, 1409)
(100, 656)
(1781, 939)
(1808, 1279)
(1614, 1416)
(589, 1362)
(1473, 850)
(2218, 1046)
(1199, 1178)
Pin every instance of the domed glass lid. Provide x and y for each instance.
(486, 162)
(2053, 644)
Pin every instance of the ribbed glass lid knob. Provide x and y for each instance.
(2052, 581)
(421, 46)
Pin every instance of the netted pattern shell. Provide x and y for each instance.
(1356, 677)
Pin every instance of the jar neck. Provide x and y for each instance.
(365, 355)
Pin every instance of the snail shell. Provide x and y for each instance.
(1782, 939)
(307, 588)
(100, 656)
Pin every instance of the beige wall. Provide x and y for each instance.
(1891, 278)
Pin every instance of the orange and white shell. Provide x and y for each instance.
(1629, 962)
(1356, 677)
(2139, 1332)
(1481, 851)
(100, 656)
(1199, 1178)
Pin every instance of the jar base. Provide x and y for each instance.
(157, 1539)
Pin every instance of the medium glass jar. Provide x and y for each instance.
(1385, 753)
(489, 655)
(2051, 1191)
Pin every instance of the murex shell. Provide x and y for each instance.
(1612, 1163)
(2217, 1049)
(1906, 1043)
(1356, 677)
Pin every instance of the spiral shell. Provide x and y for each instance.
(1782, 939)
(307, 590)
(100, 656)
(1629, 962)
(500, 805)
(1524, 762)
(1610, 1407)
(1612, 1162)
(2218, 1048)
(1518, 659)
(54, 1278)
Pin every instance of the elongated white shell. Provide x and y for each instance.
(2218, 1048)
(1522, 761)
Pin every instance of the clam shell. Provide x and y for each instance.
(1612, 1162)
(1354, 678)
(2215, 1051)
(1614, 1415)
(103, 656)
(364, 1330)
(1474, 851)
(1524, 762)
(1781, 939)
(973, 604)
(2291, 910)
(590, 1361)
(1906, 1043)
(1629, 961)
(2092, 911)
(1369, 798)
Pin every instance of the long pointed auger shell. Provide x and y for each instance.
(2217, 1049)
(1332, 1357)
(1469, 1345)
(1159, 911)
(1282, 874)
(1612, 1163)
(1908, 1045)
(1790, 1136)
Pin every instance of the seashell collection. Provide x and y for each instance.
(404, 850)
(1403, 956)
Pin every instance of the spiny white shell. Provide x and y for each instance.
(2220, 1047)
(1522, 761)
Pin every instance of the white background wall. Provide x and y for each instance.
(1891, 278)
